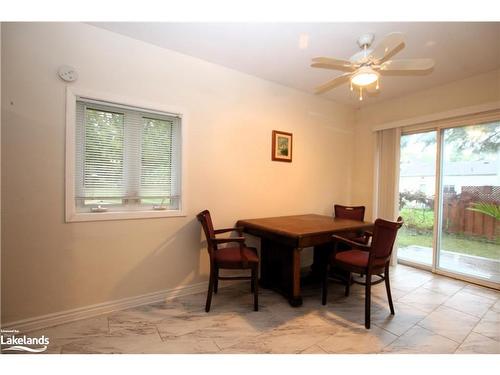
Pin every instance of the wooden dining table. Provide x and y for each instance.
(282, 240)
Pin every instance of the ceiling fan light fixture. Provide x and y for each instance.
(364, 76)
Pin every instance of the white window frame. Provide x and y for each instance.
(71, 213)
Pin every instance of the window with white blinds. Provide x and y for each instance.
(127, 159)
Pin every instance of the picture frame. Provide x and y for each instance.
(282, 145)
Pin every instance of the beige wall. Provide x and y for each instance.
(480, 89)
(50, 266)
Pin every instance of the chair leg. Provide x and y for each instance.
(368, 291)
(348, 284)
(388, 288)
(252, 286)
(324, 284)
(216, 280)
(255, 284)
(211, 283)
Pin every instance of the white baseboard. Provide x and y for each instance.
(49, 320)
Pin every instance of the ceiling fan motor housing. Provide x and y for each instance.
(365, 40)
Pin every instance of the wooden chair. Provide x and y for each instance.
(235, 257)
(370, 260)
(353, 213)
(321, 257)
(349, 212)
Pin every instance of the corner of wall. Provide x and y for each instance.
(0, 175)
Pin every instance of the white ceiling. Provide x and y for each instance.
(271, 50)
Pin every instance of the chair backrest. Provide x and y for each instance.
(349, 212)
(384, 236)
(206, 223)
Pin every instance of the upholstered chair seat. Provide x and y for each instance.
(234, 257)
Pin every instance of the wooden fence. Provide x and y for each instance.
(458, 219)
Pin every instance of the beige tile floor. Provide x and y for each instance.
(434, 314)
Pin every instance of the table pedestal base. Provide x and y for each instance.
(280, 270)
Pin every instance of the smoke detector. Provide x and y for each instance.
(67, 73)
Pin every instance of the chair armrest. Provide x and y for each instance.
(353, 244)
(225, 230)
(368, 233)
(365, 237)
(228, 240)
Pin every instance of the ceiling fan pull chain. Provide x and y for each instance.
(360, 93)
(351, 86)
(376, 88)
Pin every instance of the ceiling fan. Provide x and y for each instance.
(365, 67)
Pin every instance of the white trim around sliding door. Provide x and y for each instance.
(453, 275)
(397, 156)
(438, 200)
(466, 278)
(455, 117)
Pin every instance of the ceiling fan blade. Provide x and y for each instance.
(407, 64)
(331, 62)
(333, 67)
(331, 84)
(387, 46)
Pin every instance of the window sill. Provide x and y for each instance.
(123, 215)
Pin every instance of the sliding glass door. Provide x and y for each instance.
(449, 197)
(470, 195)
(417, 185)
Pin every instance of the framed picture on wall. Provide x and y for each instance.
(282, 146)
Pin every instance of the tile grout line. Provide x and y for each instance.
(443, 304)
(462, 289)
(386, 330)
(479, 295)
(301, 352)
(466, 313)
(465, 338)
(158, 331)
(446, 337)
(437, 334)
(480, 334)
(478, 322)
(438, 306)
(470, 333)
(429, 313)
(217, 345)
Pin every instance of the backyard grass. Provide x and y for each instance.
(420, 218)
(454, 243)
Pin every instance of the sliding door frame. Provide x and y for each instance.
(422, 266)
(438, 207)
(438, 200)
